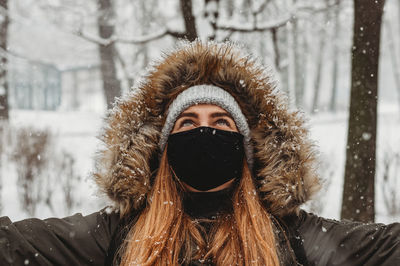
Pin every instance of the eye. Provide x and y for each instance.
(223, 122)
(186, 123)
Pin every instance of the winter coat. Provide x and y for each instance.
(90, 240)
(283, 170)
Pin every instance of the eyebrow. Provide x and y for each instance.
(213, 115)
(220, 114)
(188, 114)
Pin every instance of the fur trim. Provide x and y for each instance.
(284, 157)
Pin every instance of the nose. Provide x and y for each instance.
(204, 121)
(204, 124)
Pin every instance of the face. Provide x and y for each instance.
(207, 115)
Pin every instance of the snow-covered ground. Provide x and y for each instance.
(75, 132)
(329, 131)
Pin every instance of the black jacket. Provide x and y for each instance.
(85, 240)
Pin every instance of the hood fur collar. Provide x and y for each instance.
(284, 156)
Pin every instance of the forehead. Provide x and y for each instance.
(205, 109)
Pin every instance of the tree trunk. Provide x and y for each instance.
(300, 60)
(300, 64)
(291, 74)
(281, 46)
(189, 19)
(335, 72)
(393, 58)
(105, 20)
(3, 61)
(358, 191)
(212, 14)
(317, 81)
(3, 85)
(320, 58)
(277, 57)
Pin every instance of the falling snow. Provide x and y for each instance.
(76, 127)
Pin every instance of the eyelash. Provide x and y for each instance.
(224, 121)
(185, 121)
(219, 121)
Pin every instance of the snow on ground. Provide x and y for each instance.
(76, 132)
(330, 133)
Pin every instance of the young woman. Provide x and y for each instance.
(206, 166)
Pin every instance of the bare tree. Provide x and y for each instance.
(105, 20)
(30, 156)
(335, 43)
(109, 53)
(322, 32)
(300, 61)
(2, 133)
(69, 178)
(393, 57)
(189, 19)
(212, 14)
(398, 16)
(285, 21)
(288, 31)
(358, 192)
(390, 182)
(4, 21)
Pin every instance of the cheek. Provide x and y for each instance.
(175, 128)
(233, 126)
(180, 129)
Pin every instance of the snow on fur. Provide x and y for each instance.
(284, 156)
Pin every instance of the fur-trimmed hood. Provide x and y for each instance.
(284, 156)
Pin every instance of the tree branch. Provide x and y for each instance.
(253, 28)
(276, 49)
(261, 8)
(291, 16)
(134, 40)
(124, 67)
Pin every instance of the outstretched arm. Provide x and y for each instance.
(330, 242)
(74, 240)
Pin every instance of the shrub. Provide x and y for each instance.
(389, 185)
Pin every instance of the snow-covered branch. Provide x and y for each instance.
(260, 8)
(151, 37)
(134, 40)
(252, 28)
(275, 24)
(5, 53)
(317, 9)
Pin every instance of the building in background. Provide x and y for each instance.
(37, 85)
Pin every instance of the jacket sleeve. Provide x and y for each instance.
(330, 242)
(74, 240)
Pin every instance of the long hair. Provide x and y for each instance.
(164, 234)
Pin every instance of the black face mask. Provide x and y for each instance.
(205, 157)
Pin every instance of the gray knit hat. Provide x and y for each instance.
(208, 94)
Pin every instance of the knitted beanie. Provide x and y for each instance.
(208, 94)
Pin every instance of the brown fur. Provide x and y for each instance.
(284, 156)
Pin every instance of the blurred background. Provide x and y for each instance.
(64, 61)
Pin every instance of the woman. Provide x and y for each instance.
(206, 166)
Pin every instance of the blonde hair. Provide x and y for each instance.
(164, 234)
